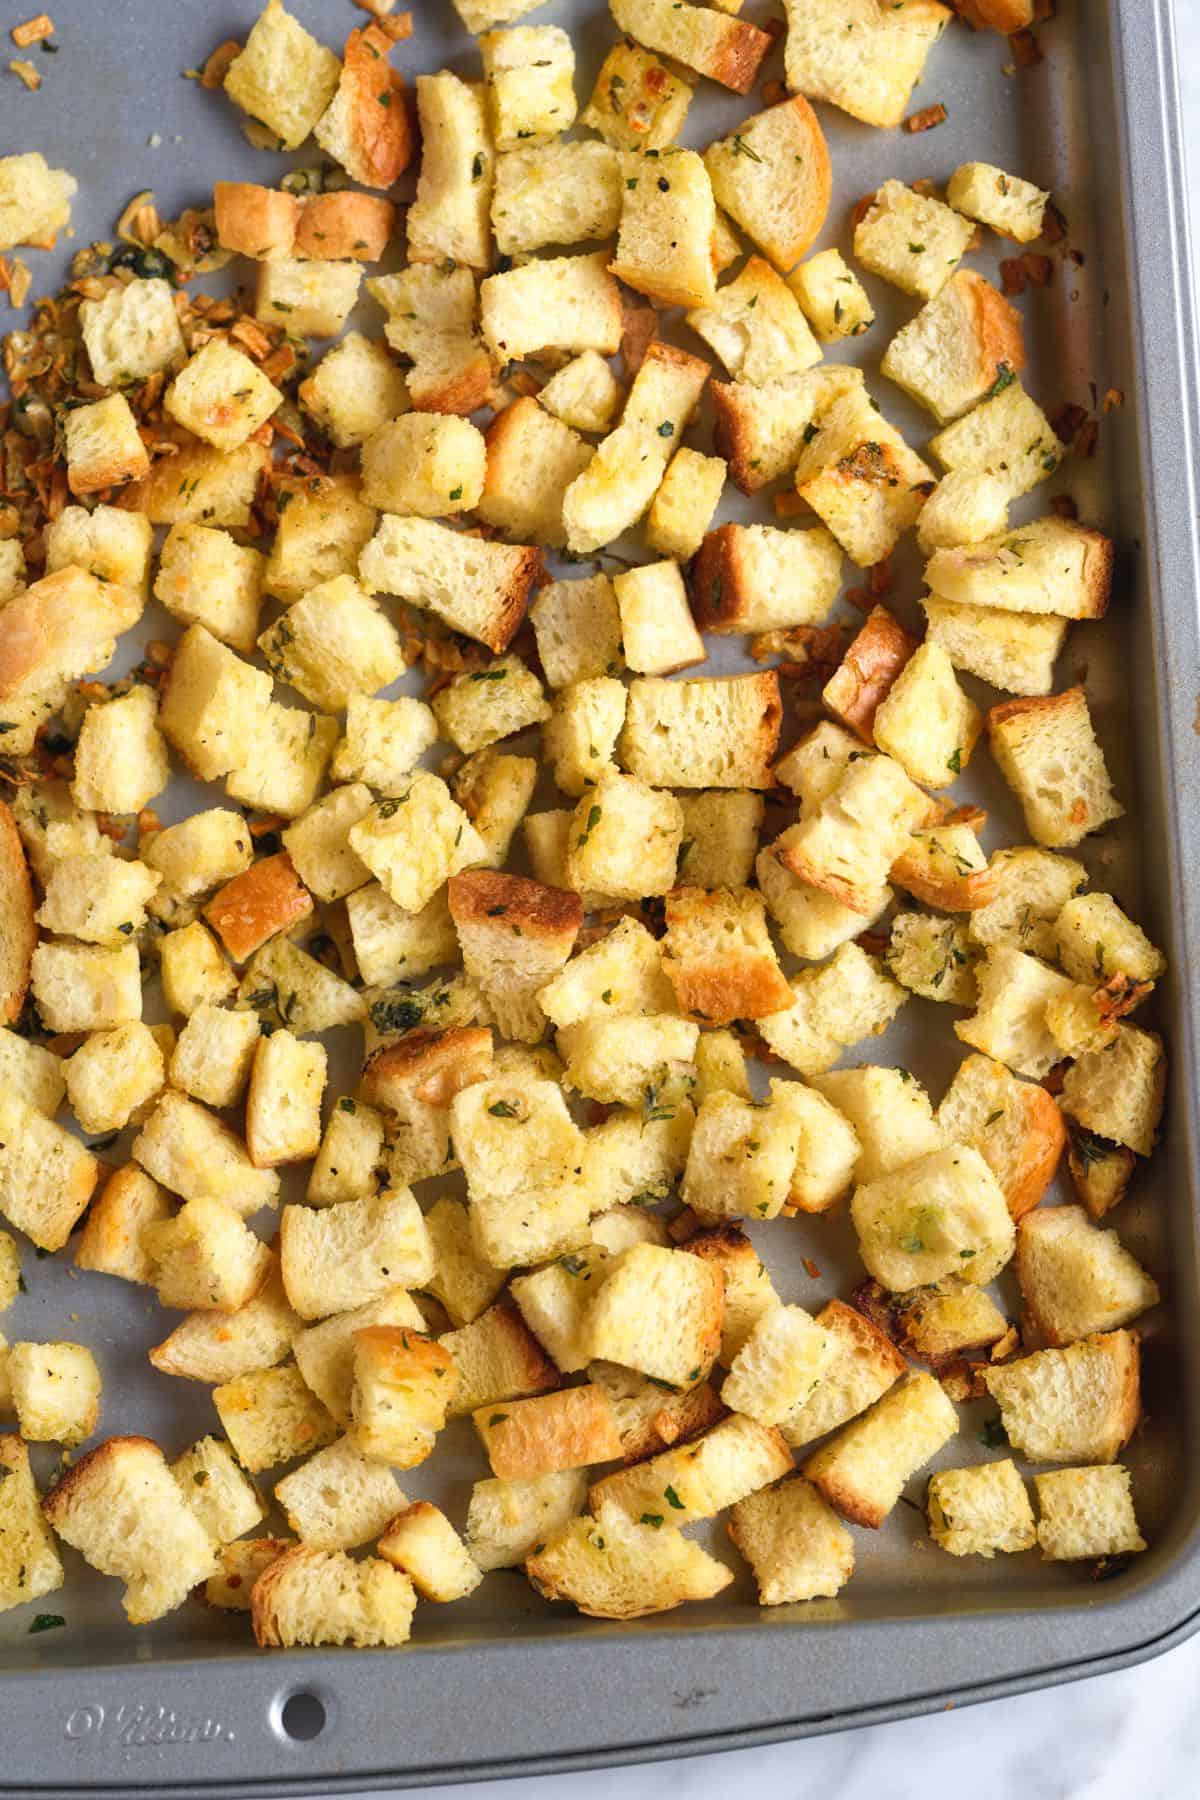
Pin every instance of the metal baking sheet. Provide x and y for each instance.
(504, 1684)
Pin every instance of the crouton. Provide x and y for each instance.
(431, 320)
(401, 1388)
(239, 1566)
(757, 578)
(1086, 1512)
(221, 396)
(200, 484)
(981, 1510)
(120, 754)
(743, 1158)
(46, 1175)
(860, 477)
(966, 507)
(611, 1568)
(912, 240)
(726, 50)
(318, 843)
(772, 176)
(861, 1471)
(449, 217)
(415, 1080)
(1095, 940)
(532, 459)
(264, 899)
(554, 1302)
(718, 955)
(621, 973)
(833, 300)
(1100, 1172)
(506, 1519)
(62, 626)
(657, 628)
(390, 943)
(1048, 754)
(963, 346)
(220, 1347)
(635, 1157)
(310, 299)
(1076, 1279)
(1079, 1404)
(465, 1284)
(325, 1353)
(1007, 436)
(270, 1416)
(282, 76)
(683, 507)
(422, 1542)
(513, 1138)
(479, 707)
(890, 1113)
(1010, 1021)
(1118, 1092)
(215, 1489)
(29, 1562)
(48, 829)
(212, 704)
(848, 844)
(113, 1236)
(693, 1481)
(192, 969)
(351, 1147)
(1016, 1127)
(206, 578)
(319, 535)
(286, 986)
(1012, 207)
(621, 1061)
(112, 1075)
(55, 1392)
(925, 720)
(110, 544)
(720, 838)
(103, 446)
(414, 841)
(861, 1365)
(584, 393)
(188, 1150)
(283, 1106)
(254, 221)
(577, 626)
(515, 935)
(35, 201)
(286, 761)
(1051, 565)
(337, 1257)
(778, 1366)
(650, 1418)
(32, 1073)
(83, 987)
(761, 430)
(1014, 651)
(557, 193)
(870, 666)
(529, 74)
(659, 1312)
(478, 588)
(568, 1429)
(638, 103)
(1032, 887)
(703, 733)
(309, 1596)
(664, 242)
(119, 1505)
(98, 898)
(933, 957)
(496, 1358)
(748, 1288)
(624, 838)
(366, 126)
(333, 643)
(795, 1543)
(430, 465)
(354, 390)
(22, 717)
(581, 733)
(865, 60)
(942, 1214)
(564, 304)
(943, 1321)
(838, 1004)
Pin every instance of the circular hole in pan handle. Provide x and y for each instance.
(302, 1717)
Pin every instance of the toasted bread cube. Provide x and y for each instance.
(911, 240)
(506, 1519)
(557, 193)
(425, 464)
(97, 898)
(112, 1075)
(611, 1568)
(354, 390)
(132, 332)
(849, 842)
(1076, 1279)
(624, 838)
(718, 955)
(82, 987)
(1016, 651)
(189, 1151)
(933, 957)
(651, 1418)
(366, 126)
(255, 221)
(239, 1566)
(264, 899)
(529, 74)
(333, 643)
(103, 446)
(216, 1490)
(838, 1004)
(890, 1113)
(554, 1303)
(862, 1470)
(869, 669)
(191, 967)
(581, 733)
(12, 565)
(515, 935)
(477, 708)
(46, 1175)
(549, 1433)
(696, 1480)
(29, 1562)
(812, 924)
(720, 836)
(860, 477)
(416, 1076)
(834, 301)
(449, 217)
(1010, 1021)
(578, 630)
(462, 1280)
(200, 484)
(1048, 753)
(120, 754)
(1031, 889)
(1051, 565)
(402, 1387)
(638, 103)
(564, 303)
(621, 1061)
(1079, 1404)
(621, 973)
(758, 578)
(283, 1106)
(414, 841)
(221, 396)
(308, 1596)
(532, 459)
(1100, 1172)
(119, 1506)
(283, 77)
(496, 1358)
(349, 1155)
(948, 1319)
(1016, 1127)
(333, 227)
(726, 50)
(321, 534)
(318, 843)
(206, 578)
(35, 201)
(980, 1510)
(668, 216)
(219, 1347)
(390, 944)
(270, 1416)
(33, 1074)
(325, 1352)
(965, 508)
(762, 430)
(432, 320)
(286, 986)
(584, 393)
(749, 1293)
(864, 60)
(795, 1543)
(703, 733)
(477, 588)
(683, 507)
(1118, 1092)
(113, 1236)
(1013, 207)
(963, 346)
(657, 629)
(55, 1392)
(772, 176)
(659, 1312)
(49, 828)
(339, 1498)
(1085, 1513)
(943, 1214)
(337, 1257)
(422, 1542)
(862, 1364)
(1096, 940)
(720, 1066)
(309, 299)
(213, 705)
(62, 626)
(778, 1366)
(513, 1138)
(384, 741)
(205, 1259)
(110, 544)
(926, 721)
(1007, 436)
(742, 1157)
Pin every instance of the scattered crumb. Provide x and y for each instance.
(32, 31)
(928, 119)
(26, 72)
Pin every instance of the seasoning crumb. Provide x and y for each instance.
(928, 119)
(26, 72)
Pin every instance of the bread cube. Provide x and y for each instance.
(778, 1367)
(926, 721)
(255, 221)
(795, 1543)
(833, 299)
(1007, 436)
(611, 1568)
(638, 103)
(309, 299)
(1010, 1021)
(33, 1074)
(120, 755)
(866, 62)
(848, 845)
(478, 588)
(577, 626)
(334, 227)
(532, 459)
(812, 924)
(933, 957)
(726, 50)
(264, 899)
(308, 1596)
(584, 393)
(283, 77)
(215, 1489)
(414, 841)
(221, 396)
(1079, 1404)
(465, 1284)
(1096, 940)
(947, 1320)
(1051, 565)
(1118, 1092)
(214, 1053)
(558, 193)
(720, 835)
(120, 1506)
(965, 508)
(113, 1237)
(320, 534)
(621, 973)
(383, 742)
(1031, 889)
(761, 430)
(354, 390)
(657, 628)
(46, 1175)
(964, 346)
(422, 1542)
(512, 1138)
(1048, 754)
(549, 1433)
(83, 987)
(529, 74)
(1013, 207)
(703, 733)
(683, 507)
(554, 1303)
(448, 220)
(861, 1365)
(479, 707)
(416, 1076)
(371, 149)
(563, 303)
(742, 1157)
(625, 838)
(738, 1456)
(345, 1167)
(333, 643)
(890, 1113)
(110, 544)
(718, 955)
(402, 1386)
(1076, 1279)
(62, 626)
(200, 484)
(581, 733)
(980, 1510)
(338, 1257)
(239, 1566)
(944, 1213)
(205, 1258)
(427, 464)
(29, 1565)
(861, 478)
(325, 1352)
(1015, 1126)
(664, 242)
(286, 986)
(432, 315)
(318, 843)
(221, 1347)
(861, 1471)
(35, 201)
(1086, 1512)
(270, 1416)
(283, 1107)
(390, 943)
(836, 1004)
(206, 578)
(285, 762)
(213, 705)
(911, 240)
(112, 1075)
(720, 1066)
(496, 1358)
(757, 578)
(657, 1311)
(631, 1061)
(748, 1289)
(772, 176)
(103, 445)
(191, 1152)
(98, 898)
(42, 828)
(55, 1392)
(754, 322)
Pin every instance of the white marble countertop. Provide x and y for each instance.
(1136, 1731)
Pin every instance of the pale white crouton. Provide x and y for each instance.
(82, 987)
(391, 944)
(943, 1214)
(413, 841)
(564, 304)
(795, 1543)
(981, 1510)
(532, 459)
(964, 346)
(309, 299)
(1013, 207)
(384, 740)
(861, 1471)
(318, 843)
(308, 1596)
(837, 1004)
(286, 761)
(46, 1175)
(1010, 1022)
(1076, 1279)
(1016, 1127)
(505, 1519)
(860, 477)
(212, 704)
(496, 1358)
(529, 74)
(221, 396)
(720, 838)
(758, 578)
(465, 1284)
(582, 731)
(112, 1074)
(621, 973)
(481, 706)
(55, 1391)
(1086, 1512)
(682, 509)
(319, 533)
(339, 1499)
(432, 321)
(696, 1480)
(97, 898)
(354, 390)
(110, 544)
(205, 1259)
(1014, 651)
(772, 176)
(911, 239)
(833, 299)
(1074, 1405)
(449, 218)
(726, 50)
(861, 1365)
(1031, 889)
(120, 755)
(1118, 1092)
(206, 578)
(657, 628)
(334, 643)
(659, 1312)
(624, 838)
(926, 721)
(965, 507)
(638, 103)
(628, 1061)
(703, 733)
(422, 1542)
(511, 1137)
(118, 1506)
(35, 201)
(213, 1054)
(891, 1115)
(1007, 437)
(561, 193)
(337, 1257)
(188, 1150)
(216, 1490)
(577, 626)
(478, 588)
(426, 464)
(1049, 565)
(270, 1416)
(31, 1072)
(668, 217)
(29, 1562)
(584, 393)
(282, 76)
(103, 445)
(1048, 753)
(864, 59)
(611, 1568)
(778, 1367)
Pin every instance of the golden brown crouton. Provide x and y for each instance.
(564, 1430)
(265, 899)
